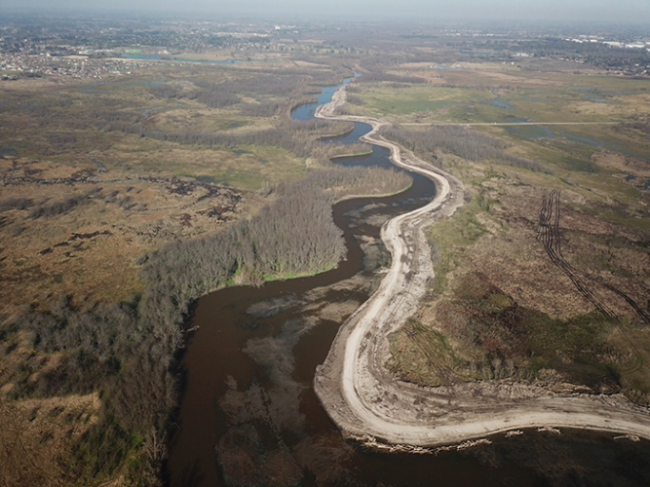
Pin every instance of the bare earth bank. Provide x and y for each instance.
(370, 404)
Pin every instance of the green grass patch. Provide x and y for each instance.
(500, 300)
(415, 98)
(283, 276)
(448, 237)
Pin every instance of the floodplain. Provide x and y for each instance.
(126, 199)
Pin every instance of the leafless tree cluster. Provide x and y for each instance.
(110, 348)
(62, 138)
(293, 234)
(354, 99)
(17, 203)
(215, 95)
(58, 207)
(460, 141)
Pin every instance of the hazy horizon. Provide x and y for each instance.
(629, 11)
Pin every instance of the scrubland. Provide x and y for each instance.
(122, 202)
(542, 275)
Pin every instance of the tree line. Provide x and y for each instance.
(294, 136)
(129, 350)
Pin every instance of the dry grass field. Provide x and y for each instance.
(541, 276)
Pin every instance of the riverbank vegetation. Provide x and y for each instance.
(127, 351)
(125, 199)
(95, 175)
(295, 234)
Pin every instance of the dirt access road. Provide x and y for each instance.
(368, 403)
(503, 124)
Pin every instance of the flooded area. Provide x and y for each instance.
(249, 416)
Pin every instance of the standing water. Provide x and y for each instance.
(249, 416)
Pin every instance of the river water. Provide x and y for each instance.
(249, 416)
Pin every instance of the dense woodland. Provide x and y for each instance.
(128, 350)
(292, 235)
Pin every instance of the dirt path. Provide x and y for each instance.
(505, 124)
(367, 402)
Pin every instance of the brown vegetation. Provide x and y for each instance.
(34, 432)
(522, 293)
(436, 141)
(71, 226)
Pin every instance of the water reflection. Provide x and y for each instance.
(249, 415)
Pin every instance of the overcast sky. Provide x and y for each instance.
(558, 10)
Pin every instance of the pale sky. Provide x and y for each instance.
(531, 10)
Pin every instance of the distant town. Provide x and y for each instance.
(84, 48)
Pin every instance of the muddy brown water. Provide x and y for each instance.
(249, 416)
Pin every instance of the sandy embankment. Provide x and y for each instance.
(367, 402)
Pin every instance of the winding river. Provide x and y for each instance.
(249, 414)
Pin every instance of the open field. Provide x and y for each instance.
(368, 403)
(504, 306)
